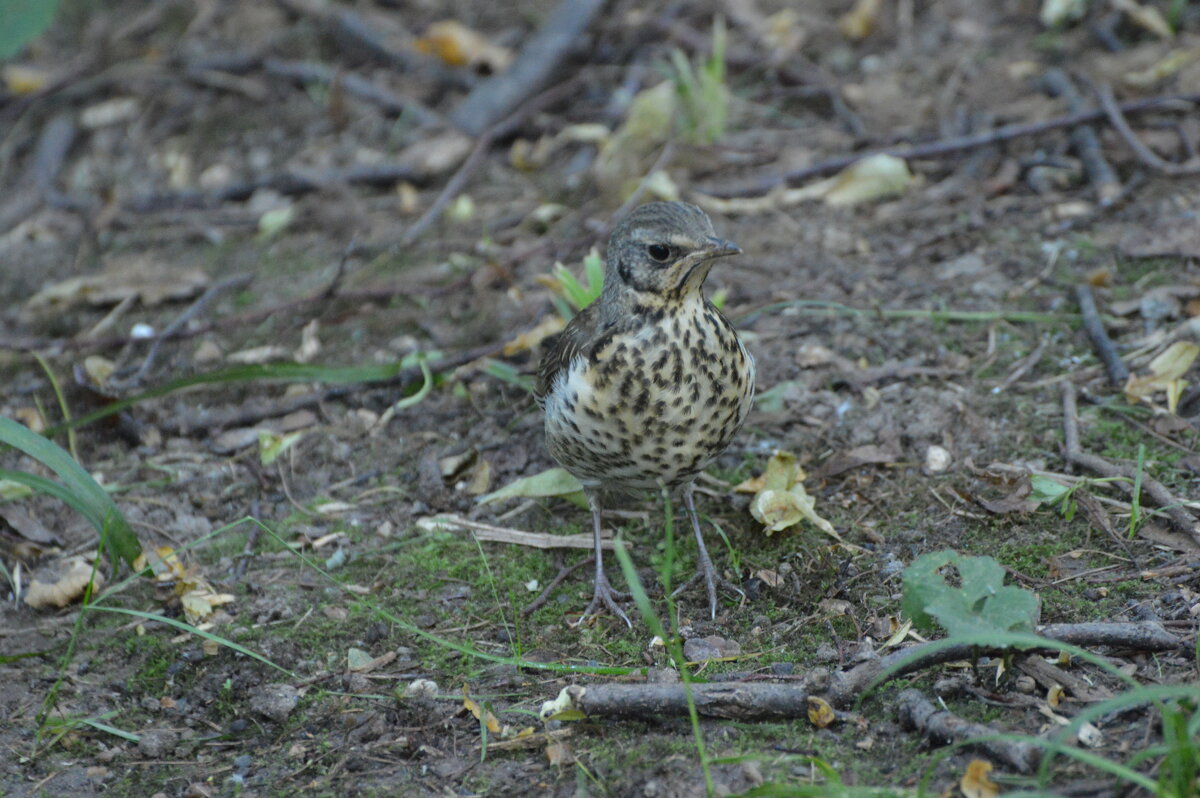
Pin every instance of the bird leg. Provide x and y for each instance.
(603, 595)
(705, 571)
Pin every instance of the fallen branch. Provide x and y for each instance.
(38, 183)
(498, 96)
(942, 148)
(459, 180)
(918, 713)
(1118, 373)
(288, 183)
(847, 686)
(1084, 139)
(1144, 154)
(354, 85)
(215, 290)
(731, 701)
(487, 533)
(1126, 475)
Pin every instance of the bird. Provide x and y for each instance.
(648, 384)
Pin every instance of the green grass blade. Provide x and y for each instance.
(187, 627)
(115, 533)
(286, 372)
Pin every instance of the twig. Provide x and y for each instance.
(497, 96)
(354, 85)
(52, 147)
(1022, 368)
(1126, 475)
(1144, 154)
(941, 147)
(215, 290)
(1118, 373)
(350, 27)
(290, 183)
(918, 713)
(559, 578)
(488, 533)
(846, 687)
(459, 180)
(729, 700)
(1083, 137)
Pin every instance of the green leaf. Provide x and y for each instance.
(1046, 490)
(78, 489)
(552, 482)
(22, 21)
(981, 604)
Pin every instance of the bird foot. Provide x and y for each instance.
(605, 595)
(712, 580)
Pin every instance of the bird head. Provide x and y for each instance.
(662, 252)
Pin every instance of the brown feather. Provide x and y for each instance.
(579, 332)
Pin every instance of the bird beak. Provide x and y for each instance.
(719, 248)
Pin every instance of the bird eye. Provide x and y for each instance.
(659, 252)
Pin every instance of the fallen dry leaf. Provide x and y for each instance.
(151, 281)
(854, 458)
(780, 500)
(64, 581)
(1166, 374)
(489, 720)
(976, 783)
(820, 714)
(458, 45)
(548, 326)
(857, 23)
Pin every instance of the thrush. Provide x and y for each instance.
(648, 384)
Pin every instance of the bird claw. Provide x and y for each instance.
(712, 581)
(605, 596)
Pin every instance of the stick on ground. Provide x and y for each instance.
(941, 726)
(1151, 487)
(498, 96)
(941, 148)
(1118, 373)
(1084, 139)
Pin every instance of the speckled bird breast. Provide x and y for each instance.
(658, 401)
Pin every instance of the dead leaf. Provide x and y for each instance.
(820, 714)
(258, 354)
(458, 45)
(976, 782)
(1016, 502)
(151, 281)
(310, 344)
(21, 79)
(780, 500)
(1147, 17)
(1174, 62)
(858, 23)
(489, 720)
(548, 326)
(64, 581)
(1166, 374)
(559, 753)
(27, 527)
(854, 458)
(1172, 237)
(1056, 13)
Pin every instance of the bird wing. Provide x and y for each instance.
(569, 345)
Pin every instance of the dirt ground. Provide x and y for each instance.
(912, 352)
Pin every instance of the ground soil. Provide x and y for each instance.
(342, 582)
